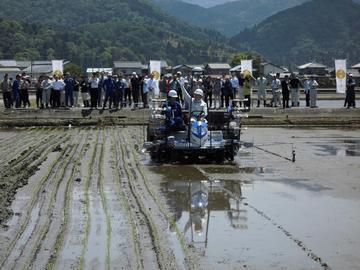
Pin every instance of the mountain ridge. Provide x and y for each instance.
(120, 30)
(319, 29)
(228, 18)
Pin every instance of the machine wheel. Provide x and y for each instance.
(220, 157)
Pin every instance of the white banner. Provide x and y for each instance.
(57, 67)
(155, 69)
(340, 72)
(246, 67)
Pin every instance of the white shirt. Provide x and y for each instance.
(234, 82)
(152, 85)
(261, 82)
(47, 84)
(313, 84)
(94, 82)
(275, 84)
(196, 106)
(59, 85)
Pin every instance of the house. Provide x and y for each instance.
(236, 69)
(11, 71)
(165, 68)
(32, 68)
(355, 72)
(90, 71)
(217, 69)
(357, 66)
(186, 70)
(313, 68)
(128, 67)
(267, 68)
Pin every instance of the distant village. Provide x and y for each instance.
(325, 75)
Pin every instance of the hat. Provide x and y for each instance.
(350, 74)
(173, 93)
(134, 73)
(199, 92)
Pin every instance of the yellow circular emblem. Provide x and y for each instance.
(341, 74)
(156, 75)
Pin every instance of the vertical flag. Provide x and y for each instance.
(340, 72)
(155, 69)
(246, 67)
(57, 67)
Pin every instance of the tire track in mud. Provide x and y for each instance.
(61, 225)
(29, 214)
(87, 203)
(189, 257)
(148, 253)
(28, 246)
(140, 196)
(18, 136)
(17, 176)
(18, 147)
(96, 254)
(69, 252)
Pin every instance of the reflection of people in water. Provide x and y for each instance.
(199, 193)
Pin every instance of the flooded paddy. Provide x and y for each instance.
(91, 199)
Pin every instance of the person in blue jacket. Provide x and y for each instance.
(16, 91)
(109, 87)
(174, 116)
(69, 89)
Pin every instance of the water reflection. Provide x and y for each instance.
(194, 203)
(343, 148)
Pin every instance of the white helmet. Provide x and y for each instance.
(173, 93)
(199, 92)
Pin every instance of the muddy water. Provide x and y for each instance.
(89, 199)
(264, 212)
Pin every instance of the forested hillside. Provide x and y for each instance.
(97, 32)
(318, 30)
(228, 18)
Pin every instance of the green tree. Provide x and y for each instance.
(73, 69)
(236, 59)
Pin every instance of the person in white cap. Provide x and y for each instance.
(173, 112)
(197, 105)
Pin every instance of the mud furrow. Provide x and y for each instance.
(48, 251)
(122, 249)
(104, 204)
(28, 215)
(74, 236)
(159, 210)
(120, 174)
(18, 136)
(18, 148)
(25, 250)
(151, 248)
(96, 255)
(87, 202)
(16, 178)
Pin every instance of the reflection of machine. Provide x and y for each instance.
(216, 138)
(199, 198)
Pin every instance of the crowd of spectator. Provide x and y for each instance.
(116, 91)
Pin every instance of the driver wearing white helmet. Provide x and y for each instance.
(173, 112)
(197, 105)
